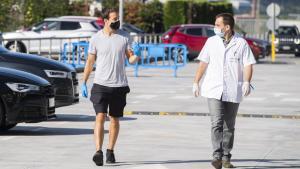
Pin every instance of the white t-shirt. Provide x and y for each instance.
(224, 74)
(111, 57)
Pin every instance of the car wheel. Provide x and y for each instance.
(4, 126)
(297, 54)
(179, 55)
(2, 116)
(9, 126)
(19, 48)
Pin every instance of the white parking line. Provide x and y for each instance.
(290, 100)
(182, 97)
(255, 98)
(145, 96)
(8, 138)
(156, 166)
(280, 94)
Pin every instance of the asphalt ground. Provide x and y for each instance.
(165, 127)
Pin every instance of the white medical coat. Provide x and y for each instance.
(224, 74)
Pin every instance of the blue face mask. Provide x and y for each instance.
(219, 32)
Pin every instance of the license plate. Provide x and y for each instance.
(286, 48)
(51, 102)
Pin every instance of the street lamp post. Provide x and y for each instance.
(121, 12)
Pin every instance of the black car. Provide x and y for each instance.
(62, 77)
(24, 97)
(288, 40)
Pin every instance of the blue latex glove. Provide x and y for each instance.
(136, 49)
(84, 90)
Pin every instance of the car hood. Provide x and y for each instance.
(38, 61)
(17, 76)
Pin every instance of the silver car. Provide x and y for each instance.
(50, 35)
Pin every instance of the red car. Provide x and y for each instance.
(194, 37)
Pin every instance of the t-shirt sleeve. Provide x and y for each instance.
(248, 57)
(92, 46)
(204, 53)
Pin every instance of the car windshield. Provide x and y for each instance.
(287, 31)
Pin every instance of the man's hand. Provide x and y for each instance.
(84, 90)
(136, 49)
(196, 89)
(246, 88)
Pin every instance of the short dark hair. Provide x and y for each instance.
(227, 19)
(108, 11)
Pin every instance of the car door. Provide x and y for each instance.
(195, 38)
(66, 29)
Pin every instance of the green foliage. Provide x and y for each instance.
(174, 13)
(110, 4)
(205, 12)
(30, 12)
(152, 17)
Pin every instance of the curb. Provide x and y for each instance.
(208, 114)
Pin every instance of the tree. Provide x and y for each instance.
(174, 13)
(152, 17)
(132, 12)
(110, 4)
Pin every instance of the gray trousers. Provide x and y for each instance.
(223, 115)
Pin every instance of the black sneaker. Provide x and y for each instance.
(110, 156)
(217, 163)
(98, 158)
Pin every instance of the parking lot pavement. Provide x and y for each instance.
(148, 142)
(168, 142)
(276, 90)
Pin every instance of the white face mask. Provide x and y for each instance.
(219, 32)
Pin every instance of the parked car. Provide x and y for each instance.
(288, 40)
(194, 37)
(24, 97)
(50, 34)
(62, 76)
(264, 46)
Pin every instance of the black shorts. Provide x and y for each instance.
(112, 98)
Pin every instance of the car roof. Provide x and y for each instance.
(68, 19)
(79, 17)
(194, 25)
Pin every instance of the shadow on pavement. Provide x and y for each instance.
(82, 118)
(274, 163)
(46, 131)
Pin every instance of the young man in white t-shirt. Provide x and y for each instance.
(108, 49)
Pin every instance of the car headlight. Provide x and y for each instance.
(56, 73)
(256, 44)
(297, 41)
(22, 87)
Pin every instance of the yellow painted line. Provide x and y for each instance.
(163, 113)
(207, 114)
(128, 113)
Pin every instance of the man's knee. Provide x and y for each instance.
(100, 118)
(114, 120)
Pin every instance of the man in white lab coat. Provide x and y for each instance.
(227, 60)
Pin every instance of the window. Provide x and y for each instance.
(194, 31)
(44, 26)
(210, 32)
(69, 25)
